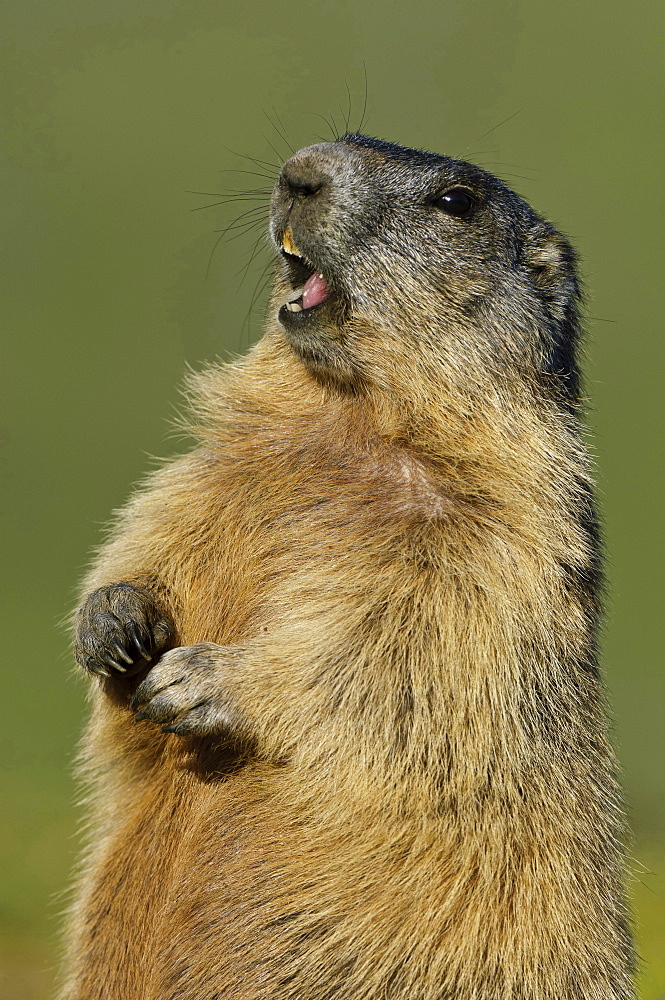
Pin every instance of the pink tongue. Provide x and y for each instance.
(315, 291)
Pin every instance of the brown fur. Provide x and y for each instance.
(389, 536)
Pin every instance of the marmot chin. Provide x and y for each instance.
(348, 735)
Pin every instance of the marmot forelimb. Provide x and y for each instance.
(349, 738)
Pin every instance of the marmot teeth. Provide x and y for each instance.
(296, 294)
(288, 243)
(294, 307)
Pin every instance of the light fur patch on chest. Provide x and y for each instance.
(408, 484)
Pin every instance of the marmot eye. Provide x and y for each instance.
(455, 202)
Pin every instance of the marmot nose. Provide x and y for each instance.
(308, 187)
(302, 179)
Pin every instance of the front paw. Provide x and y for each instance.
(185, 691)
(120, 630)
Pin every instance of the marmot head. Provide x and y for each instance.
(399, 264)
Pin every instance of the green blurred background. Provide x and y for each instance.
(114, 111)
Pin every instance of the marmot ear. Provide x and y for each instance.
(552, 264)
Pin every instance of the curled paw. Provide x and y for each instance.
(185, 692)
(120, 630)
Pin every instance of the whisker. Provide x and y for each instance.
(255, 160)
(482, 152)
(252, 217)
(259, 288)
(262, 273)
(341, 111)
(362, 117)
(495, 127)
(347, 118)
(259, 244)
(336, 130)
(281, 131)
(323, 118)
(243, 232)
(232, 201)
(221, 194)
(251, 173)
(274, 149)
(506, 173)
(520, 166)
(239, 200)
(212, 254)
(236, 224)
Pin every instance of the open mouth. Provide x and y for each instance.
(311, 288)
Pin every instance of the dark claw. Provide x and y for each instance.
(108, 661)
(181, 727)
(163, 626)
(95, 668)
(121, 653)
(131, 628)
(188, 723)
(157, 711)
(148, 691)
(137, 701)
